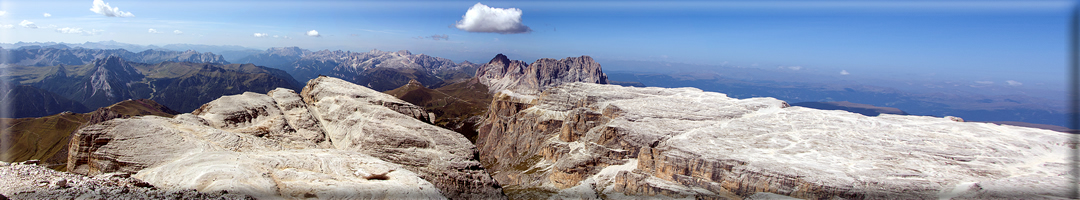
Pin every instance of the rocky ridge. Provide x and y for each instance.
(580, 140)
(61, 55)
(334, 139)
(501, 73)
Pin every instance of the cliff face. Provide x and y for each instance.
(580, 140)
(501, 73)
(332, 140)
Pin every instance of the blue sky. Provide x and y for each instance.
(989, 41)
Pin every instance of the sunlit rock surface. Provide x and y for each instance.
(582, 140)
(333, 140)
(501, 73)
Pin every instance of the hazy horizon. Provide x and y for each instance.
(1017, 44)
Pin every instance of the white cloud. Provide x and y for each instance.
(7, 26)
(481, 18)
(985, 82)
(262, 35)
(313, 33)
(1014, 83)
(440, 37)
(47, 15)
(153, 31)
(796, 68)
(2, 13)
(844, 72)
(178, 32)
(100, 7)
(70, 30)
(27, 24)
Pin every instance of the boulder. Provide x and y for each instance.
(334, 139)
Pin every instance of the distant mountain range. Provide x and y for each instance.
(182, 86)
(63, 55)
(379, 70)
(230, 52)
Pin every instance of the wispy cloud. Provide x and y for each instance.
(259, 35)
(155, 31)
(47, 15)
(484, 19)
(70, 30)
(985, 82)
(7, 26)
(2, 13)
(313, 33)
(27, 24)
(844, 72)
(1014, 83)
(100, 7)
(796, 68)
(178, 32)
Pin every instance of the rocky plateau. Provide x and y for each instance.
(593, 141)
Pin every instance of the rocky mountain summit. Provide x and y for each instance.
(501, 73)
(334, 139)
(583, 140)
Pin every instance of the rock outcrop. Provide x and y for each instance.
(29, 181)
(580, 140)
(501, 73)
(334, 139)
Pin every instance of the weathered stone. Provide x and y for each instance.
(333, 140)
(503, 74)
(580, 140)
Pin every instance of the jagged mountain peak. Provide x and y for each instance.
(501, 73)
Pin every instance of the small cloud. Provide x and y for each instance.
(155, 31)
(47, 15)
(2, 13)
(984, 82)
(1014, 83)
(70, 30)
(439, 37)
(354, 34)
(313, 33)
(496, 39)
(27, 24)
(483, 19)
(844, 72)
(178, 32)
(796, 68)
(259, 35)
(100, 7)
(7, 26)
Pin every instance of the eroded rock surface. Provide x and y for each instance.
(30, 181)
(580, 140)
(501, 73)
(335, 139)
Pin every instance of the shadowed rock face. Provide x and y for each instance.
(580, 140)
(334, 139)
(501, 73)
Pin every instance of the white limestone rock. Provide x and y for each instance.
(334, 140)
(576, 140)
